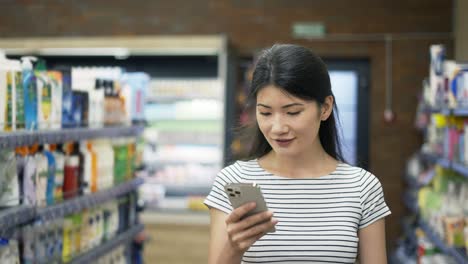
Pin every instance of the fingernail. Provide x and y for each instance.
(274, 220)
(252, 204)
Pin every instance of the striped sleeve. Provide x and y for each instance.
(372, 200)
(217, 198)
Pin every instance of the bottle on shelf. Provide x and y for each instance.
(71, 177)
(9, 185)
(30, 92)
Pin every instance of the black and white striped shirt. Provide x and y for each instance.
(318, 218)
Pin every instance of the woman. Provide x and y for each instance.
(323, 210)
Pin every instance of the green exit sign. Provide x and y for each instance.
(308, 30)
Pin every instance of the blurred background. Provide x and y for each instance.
(176, 74)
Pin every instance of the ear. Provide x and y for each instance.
(326, 108)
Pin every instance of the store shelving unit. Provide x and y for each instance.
(447, 164)
(176, 57)
(459, 255)
(15, 217)
(124, 238)
(410, 201)
(87, 201)
(25, 138)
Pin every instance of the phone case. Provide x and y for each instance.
(242, 193)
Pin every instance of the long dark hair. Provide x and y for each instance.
(301, 73)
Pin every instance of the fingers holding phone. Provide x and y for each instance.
(250, 219)
(245, 231)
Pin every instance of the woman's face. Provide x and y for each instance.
(290, 124)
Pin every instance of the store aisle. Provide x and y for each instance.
(176, 244)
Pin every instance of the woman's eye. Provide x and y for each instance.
(294, 113)
(265, 114)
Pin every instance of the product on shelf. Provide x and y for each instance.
(30, 92)
(63, 239)
(12, 97)
(438, 175)
(34, 98)
(134, 86)
(44, 93)
(59, 171)
(56, 83)
(71, 177)
(9, 185)
(9, 252)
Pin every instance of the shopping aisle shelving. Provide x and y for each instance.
(16, 216)
(458, 254)
(437, 175)
(22, 138)
(121, 239)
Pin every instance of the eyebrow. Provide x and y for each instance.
(284, 106)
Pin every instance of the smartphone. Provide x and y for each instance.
(242, 193)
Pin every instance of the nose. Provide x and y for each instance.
(279, 126)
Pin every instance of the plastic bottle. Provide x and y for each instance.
(3, 89)
(55, 78)
(86, 168)
(453, 219)
(120, 160)
(67, 99)
(134, 87)
(94, 168)
(14, 95)
(29, 179)
(51, 171)
(68, 239)
(42, 176)
(9, 185)
(59, 171)
(97, 101)
(30, 93)
(71, 179)
(44, 99)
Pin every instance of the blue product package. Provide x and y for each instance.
(79, 108)
(50, 177)
(138, 83)
(30, 99)
(67, 101)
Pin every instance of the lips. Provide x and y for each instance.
(284, 142)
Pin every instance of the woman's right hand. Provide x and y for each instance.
(244, 233)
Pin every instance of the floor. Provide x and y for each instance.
(176, 244)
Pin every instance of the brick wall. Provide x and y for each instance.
(254, 24)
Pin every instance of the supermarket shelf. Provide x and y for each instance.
(24, 138)
(124, 238)
(444, 163)
(186, 190)
(463, 170)
(416, 184)
(12, 217)
(460, 112)
(449, 112)
(459, 255)
(87, 201)
(410, 202)
(460, 168)
(175, 98)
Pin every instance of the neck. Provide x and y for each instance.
(316, 162)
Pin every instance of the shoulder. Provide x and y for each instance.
(365, 177)
(237, 170)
